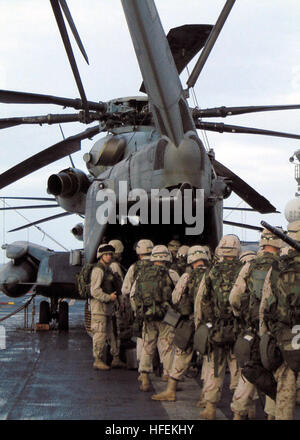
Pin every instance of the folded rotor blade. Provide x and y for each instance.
(13, 97)
(29, 207)
(243, 225)
(185, 42)
(46, 219)
(68, 16)
(243, 190)
(221, 128)
(64, 35)
(232, 111)
(47, 156)
(238, 209)
(210, 43)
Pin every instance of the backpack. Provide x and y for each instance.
(153, 292)
(255, 282)
(186, 304)
(283, 308)
(110, 282)
(222, 276)
(84, 280)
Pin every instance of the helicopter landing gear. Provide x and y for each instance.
(56, 314)
(44, 313)
(63, 316)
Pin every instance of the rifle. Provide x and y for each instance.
(284, 237)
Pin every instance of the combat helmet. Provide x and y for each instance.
(294, 230)
(267, 238)
(182, 251)
(229, 246)
(247, 256)
(196, 253)
(160, 253)
(105, 249)
(144, 247)
(118, 245)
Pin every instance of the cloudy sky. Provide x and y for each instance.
(256, 61)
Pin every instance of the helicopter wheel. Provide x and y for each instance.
(63, 316)
(44, 314)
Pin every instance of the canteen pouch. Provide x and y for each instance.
(171, 317)
(201, 338)
(183, 334)
(242, 348)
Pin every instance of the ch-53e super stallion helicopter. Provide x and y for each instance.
(152, 142)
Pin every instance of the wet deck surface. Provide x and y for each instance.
(49, 376)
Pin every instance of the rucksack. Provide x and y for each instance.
(222, 276)
(153, 292)
(110, 282)
(255, 282)
(84, 280)
(186, 304)
(282, 313)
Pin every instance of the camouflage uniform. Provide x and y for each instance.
(183, 298)
(215, 309)
(155, 331)
(143, 250)
(279, 312)
(102, 311)
(244, 299)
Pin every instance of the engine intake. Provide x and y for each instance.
(68, 182)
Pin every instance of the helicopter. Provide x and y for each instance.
(152, 142)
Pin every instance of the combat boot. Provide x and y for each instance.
(238, 416)
(117, 363)
(210, 412)
(100, 365)
(170, 392)
(252, 412)
(202, 402)
(145, 386)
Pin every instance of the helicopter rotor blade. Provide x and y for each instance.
(64, 35)
(28, 198)
(210, 43)
(13, 97)
(45, 157)
(185, 42)
(243, 209)
(29, 207)
(225, 128)
(46, 219)
(48, 119)
(243, 190)
(232, 111)
(243, 225)
(69, 18)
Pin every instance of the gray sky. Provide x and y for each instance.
(256, 61)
